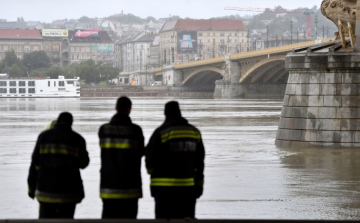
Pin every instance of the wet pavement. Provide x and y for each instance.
(246, 176)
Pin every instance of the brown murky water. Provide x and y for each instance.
(246, 176)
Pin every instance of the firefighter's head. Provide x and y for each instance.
(123, 105)
(65, 118)
(172, 110)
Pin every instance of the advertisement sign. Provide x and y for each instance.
(103, 52)
(55, 32)
(87, 33)
(187, 42)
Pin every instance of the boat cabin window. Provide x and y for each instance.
(77, 83)
(48, 83)
(22, 84)
(12, 90)
(31, 90)
(2, 83)
(54, 83)
(61, 83)
(3, 90)
(22, 90)
(12, 83)
(70, 82)
(31, 83)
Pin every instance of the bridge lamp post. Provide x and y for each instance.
(228, 44)
(213, 48)
(248, 41)
(267, 36)
(316, 22)
(291, 27)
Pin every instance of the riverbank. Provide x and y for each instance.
(140, 91)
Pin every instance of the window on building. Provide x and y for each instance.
(2, 83)
(77, 48)
(88, 49)
(31, 90)
(82, 56)
(72, 56)
(222, 34)
(235, 34)
(31, 83)
(12, 90)
(214, 34)
(61, 83)
(11, 47)
(3, 90)
(77, 56)
(12, 83)
(200, 34)
(88, 56)
(230, 34)
(222, 42)
(36, 48)
(5, 48)
(72, 48)
(18, 48)
(18, 56)
(83, 48)
(21, 83)
(27, 48)
(22, 90)
(55, 47)
(47, 47)
(208, 34)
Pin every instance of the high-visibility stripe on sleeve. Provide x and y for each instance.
(173, 182)
(109, 143)
(57, 198)
(59, 149)
(37, 167)
(175, 134)
(120, 194)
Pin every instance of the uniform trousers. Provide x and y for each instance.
(57, 210)
(120, 208)
(174, 202)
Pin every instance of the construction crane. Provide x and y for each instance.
(306, 12)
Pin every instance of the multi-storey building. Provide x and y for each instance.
(91, 44)
(56, 45)
(19, 40)
(186, 39)
(133, 55)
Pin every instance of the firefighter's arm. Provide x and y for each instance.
(199, 171)
(84, 155)
(34, 169)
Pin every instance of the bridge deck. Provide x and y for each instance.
(273, 50)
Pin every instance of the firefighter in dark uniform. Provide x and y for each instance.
(175, 159)
(54, 175)
(122, 146)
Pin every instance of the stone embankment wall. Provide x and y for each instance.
(321, 106)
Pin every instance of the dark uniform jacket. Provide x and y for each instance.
(122, 146)
(54, 175)
(175, 156)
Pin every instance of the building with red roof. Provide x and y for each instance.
(189, 39)
(20, 40)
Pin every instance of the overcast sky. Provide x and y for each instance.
(49, 10)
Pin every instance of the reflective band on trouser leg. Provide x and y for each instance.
(175, 134)
(109, 143)
(58, 198)
(172, 182)
(120, 194)
(59, 149)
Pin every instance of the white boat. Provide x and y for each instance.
(40, 88)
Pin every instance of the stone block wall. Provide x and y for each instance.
(321, 106)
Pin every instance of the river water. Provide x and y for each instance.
(246, 175)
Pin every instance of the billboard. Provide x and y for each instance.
(55, 32)
(87, 33)
(187, 42)
(103, 52)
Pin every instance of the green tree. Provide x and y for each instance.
(69, 72)
(108, 72)
(16, 71)
(88, 71)
(85, 19)
(41, 72)
(36, 59)
(54, 72)
(10, 59)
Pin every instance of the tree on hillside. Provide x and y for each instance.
(85, 19)
(36, 59)
(20, 19)
(127, 19)
(150, 18)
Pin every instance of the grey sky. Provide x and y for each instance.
(49, 10)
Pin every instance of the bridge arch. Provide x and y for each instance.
(252, 70)
(199, 70)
